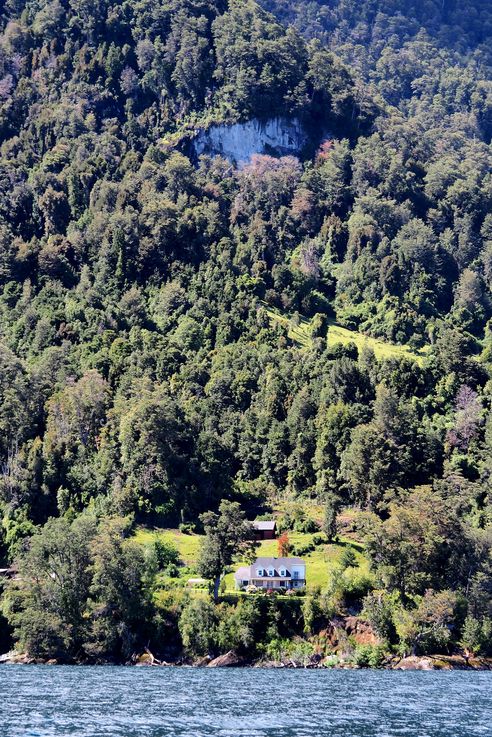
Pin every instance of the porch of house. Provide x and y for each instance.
(272, 583)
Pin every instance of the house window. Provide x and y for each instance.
(283, 572)
(295, 574)
(271, 572)
(260, 571)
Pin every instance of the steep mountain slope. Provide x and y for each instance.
(148, 369)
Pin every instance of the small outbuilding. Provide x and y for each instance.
(265, 529)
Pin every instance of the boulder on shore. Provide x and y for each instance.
(228, 660)
(202, 662)
(13, 657)
(414, 662)
(441, 662)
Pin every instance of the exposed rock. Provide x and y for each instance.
(361, 631)
(14, 657)
(479, 663)
(440, 662)
(335, 637)
(202, 662)
(228, 660)
(414, 662)
(269, 664)
(460, 662)
(145, 659)
(8, 657)
(238, 142)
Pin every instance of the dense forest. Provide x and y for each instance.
(150, 372)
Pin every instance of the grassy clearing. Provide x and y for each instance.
(319, 563)
(188, 546)
(301, 334)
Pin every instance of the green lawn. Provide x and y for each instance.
(319, 562)
(186, 545)
(301, 334)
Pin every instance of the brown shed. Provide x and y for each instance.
(265, 529)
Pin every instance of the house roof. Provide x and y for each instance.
(278, 562)
(246, 572)
(261, 524)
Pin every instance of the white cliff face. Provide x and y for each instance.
(238, 142)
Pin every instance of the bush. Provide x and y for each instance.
(378, 609)
(369, 656)
(296, 650)
(198, 627)
(166, 554)
(172, 570)
(306, 525)
(187, 528)
(236, 630)
(476, 635)
(300, 550)
(319, 539)
(358, 586)
(348, 559)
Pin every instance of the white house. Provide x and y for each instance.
(272, 573)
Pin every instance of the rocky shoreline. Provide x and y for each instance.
(232, 660)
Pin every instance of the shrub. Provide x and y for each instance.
(348, 559)
(198, 627)
(300, 550)
(166, 554)
(378, 609)
(236, 629)
(306, 525)
(369, 656)
(187, 528)
(476, 635)
(358, 586)
(172, 570)
(297, 650)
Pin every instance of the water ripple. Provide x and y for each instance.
(42, 701)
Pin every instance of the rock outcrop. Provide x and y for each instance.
(240, 141)
(441, 662)
(13, 658)
(229, 660)
(413, 662)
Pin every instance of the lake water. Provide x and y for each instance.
(43, 701)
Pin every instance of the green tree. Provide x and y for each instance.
(228, 537)
(198, 627)
(47, 603)
(120, 593)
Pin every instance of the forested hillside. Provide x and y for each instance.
(168, 329)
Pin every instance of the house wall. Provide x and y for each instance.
(301, 570)
(264, 535)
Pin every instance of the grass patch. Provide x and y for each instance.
(320, 562)
(301, 334)
(188, 546)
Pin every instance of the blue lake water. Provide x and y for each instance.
(44, 701)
